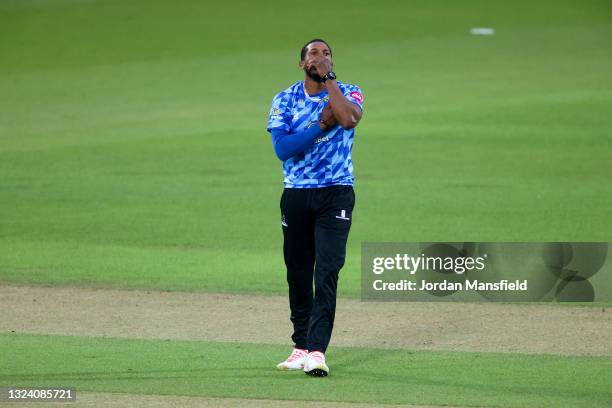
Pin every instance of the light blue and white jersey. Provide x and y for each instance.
(328, 162)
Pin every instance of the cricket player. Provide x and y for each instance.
(312, 126)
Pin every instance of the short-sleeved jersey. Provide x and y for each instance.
(328, 162)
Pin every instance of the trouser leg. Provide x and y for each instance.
(333, 209)
(299, 254)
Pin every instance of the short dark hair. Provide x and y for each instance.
(303, 52)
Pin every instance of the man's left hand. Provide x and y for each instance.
(323, 67)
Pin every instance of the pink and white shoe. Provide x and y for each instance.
(315, 364)
(295, 361)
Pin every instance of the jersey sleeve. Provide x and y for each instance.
(353, 94)
(280, 115)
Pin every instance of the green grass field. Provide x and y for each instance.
(361, 375)
(133, 154)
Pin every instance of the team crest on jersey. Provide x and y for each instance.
(301, 103)
(357, 96)
(276, 111)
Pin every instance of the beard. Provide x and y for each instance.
(312, 74)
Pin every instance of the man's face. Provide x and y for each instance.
(315, 52)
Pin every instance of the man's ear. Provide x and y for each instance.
(301, 64)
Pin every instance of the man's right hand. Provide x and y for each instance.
(327, 119)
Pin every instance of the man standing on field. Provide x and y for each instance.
(312, 125)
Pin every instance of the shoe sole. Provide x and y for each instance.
(317, 372)
(289, 369)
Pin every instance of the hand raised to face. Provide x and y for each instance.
(322, 65)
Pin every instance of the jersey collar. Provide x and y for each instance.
(321, 96)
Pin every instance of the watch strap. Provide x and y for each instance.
(329, 75)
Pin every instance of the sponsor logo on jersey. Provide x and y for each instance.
(357, 96)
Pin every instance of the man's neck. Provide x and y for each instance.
(312, 87)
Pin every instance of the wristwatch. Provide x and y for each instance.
(329, 75)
